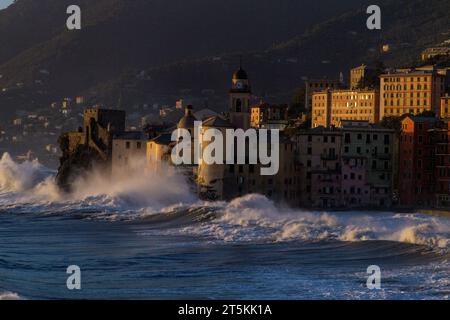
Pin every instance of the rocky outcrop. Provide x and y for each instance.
(77, 162)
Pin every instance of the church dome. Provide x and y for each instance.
(240, 75)
(188, 121)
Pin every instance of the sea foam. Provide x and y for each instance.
(9, 296)
(30, 187)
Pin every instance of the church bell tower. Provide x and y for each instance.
(240, 94)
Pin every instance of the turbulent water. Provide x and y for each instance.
(148, 237)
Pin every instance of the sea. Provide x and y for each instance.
(147, 236)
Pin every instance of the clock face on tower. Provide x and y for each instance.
(239, 85)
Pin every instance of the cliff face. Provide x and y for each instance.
(77, 163)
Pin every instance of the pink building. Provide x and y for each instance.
(320, 160)
(355, 190)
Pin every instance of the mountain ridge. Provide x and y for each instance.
(208, 42)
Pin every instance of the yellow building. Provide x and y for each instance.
(410, 92)
(268, 116)
(445, 106)
(321, 109)
(332, 107)
(159, 151)
(318, 85)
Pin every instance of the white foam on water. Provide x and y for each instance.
(30, 187)
(255, 218)
(9, 296)
(31, 184)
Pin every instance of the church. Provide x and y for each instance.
(228, 181)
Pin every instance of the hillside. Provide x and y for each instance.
(118, 35)
(188, 46)
(328, 48)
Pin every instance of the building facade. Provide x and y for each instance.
(368, 154)
(445, 107)
(347, 167)
(410, 93)
(129, 151)
(269, 116)
(239, 100)
(222, 181)
(363, 77)
(330, 108)
(319, 157)
(441, 138)
(318, 85)
(416, 180)
(321, 109)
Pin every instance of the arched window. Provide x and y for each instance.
(238, 105)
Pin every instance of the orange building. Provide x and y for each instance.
(269, 116)
(321, 109)
(445, 107)
(416, 177)
(318, 85)
(410, 92)
(330, 108)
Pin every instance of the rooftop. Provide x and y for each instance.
(163, 139)
(217, 122)
(130, 135)
(419, 119)
(240, 74)
(404, 73)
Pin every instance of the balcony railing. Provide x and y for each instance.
(329, 157)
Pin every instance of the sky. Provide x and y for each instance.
(5, 3)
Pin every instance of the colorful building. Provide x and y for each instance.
(318, 85)
(321, 109)
(441, 138)
(416, 179)
(411, 92)
(368, 154)
(319, 157)
(269, 116)
(348, 167)
(330, 108)
(445, 107)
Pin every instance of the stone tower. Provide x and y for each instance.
(240, 94)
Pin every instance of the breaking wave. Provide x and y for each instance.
(255, 218)
(29, 183)
(29, 187)
(9, 296)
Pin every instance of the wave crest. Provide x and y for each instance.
(30, 187)
(255, 218)
(9, 296)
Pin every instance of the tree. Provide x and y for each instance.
(393, 122)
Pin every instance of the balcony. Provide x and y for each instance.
(382, 156)
(328, 157)
(327, 171)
